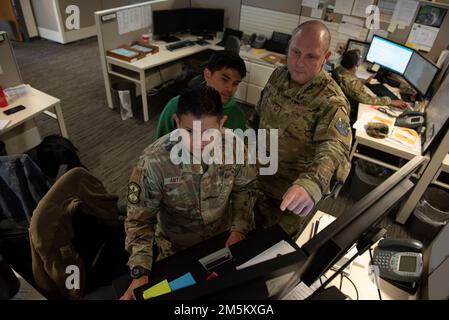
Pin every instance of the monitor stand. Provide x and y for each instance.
(206, 35)
(168, 38)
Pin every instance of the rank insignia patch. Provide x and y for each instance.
(133, 193)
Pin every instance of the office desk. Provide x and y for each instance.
(248, 283)
(360, 275)
(136, 71)
(35, 102)
(362, 138)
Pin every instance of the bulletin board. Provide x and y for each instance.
(329, 11)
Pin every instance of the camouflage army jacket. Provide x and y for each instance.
(177, 206)
(314, 134)
(354, 88)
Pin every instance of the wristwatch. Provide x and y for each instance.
(137, 272)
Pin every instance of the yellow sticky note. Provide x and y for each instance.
(259, 51)
(157, 290)
(392, 27)
(410, 44)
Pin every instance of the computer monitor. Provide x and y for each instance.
(389, 54)
(168, 22)
(420, 73)
(275, 278)
(437, 115)
(332, 243)
(203, 21)
(359, 45)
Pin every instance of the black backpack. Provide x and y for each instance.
(55, 151)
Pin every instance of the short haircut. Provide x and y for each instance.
(315, 24)
(200, 101)
(226, 59)
(350, 58)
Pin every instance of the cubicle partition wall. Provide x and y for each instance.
(109, 37)
(9, 70)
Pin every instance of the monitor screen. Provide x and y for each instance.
(360, 45)
(388, 54)
(420, 73)
(437, 114)
(209, 20)
(169, 21)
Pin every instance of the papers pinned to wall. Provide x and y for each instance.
(380, 32)
(134, 19)
(350, 29)
(343, 6)
(311, 3)
(422, 37)
(360, 6)
(404, 12)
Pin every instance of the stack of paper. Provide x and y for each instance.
(4, 124)
(280, 248)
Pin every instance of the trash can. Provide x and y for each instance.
(124, 98)
(367, 176)
(430, 215)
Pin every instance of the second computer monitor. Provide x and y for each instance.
(363, 47)
(167, 22)
(389, 54)
(206, 20)
(420, 73)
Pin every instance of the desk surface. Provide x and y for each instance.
(382, 144)
(165, 56)
(35, 102)
(360, 275)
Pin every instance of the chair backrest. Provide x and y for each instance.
(232, 43)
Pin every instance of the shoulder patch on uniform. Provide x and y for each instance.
(342, 127)
(134, 193)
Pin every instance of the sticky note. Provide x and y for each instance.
(259, 51)
(157, 290)
(182, 282)
(392, 27)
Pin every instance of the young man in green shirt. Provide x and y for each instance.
(224, 72)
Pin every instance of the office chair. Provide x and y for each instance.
(232, 43)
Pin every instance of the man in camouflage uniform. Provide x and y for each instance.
(354, 88)
(311, 113)
(176, 206)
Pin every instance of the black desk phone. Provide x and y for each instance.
(399, 259)
(410, 119)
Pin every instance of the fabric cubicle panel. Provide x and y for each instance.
(11, 74)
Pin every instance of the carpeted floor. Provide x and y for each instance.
(108, 146)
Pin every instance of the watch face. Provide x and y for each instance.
(137, 272)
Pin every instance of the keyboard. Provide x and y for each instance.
(202, 42)
(179, 45)
(381, 91)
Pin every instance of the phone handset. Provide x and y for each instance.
(399, 259)
(403, 245)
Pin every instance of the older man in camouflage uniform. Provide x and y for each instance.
(177, 206)
(311, 113)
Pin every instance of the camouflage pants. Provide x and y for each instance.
(267, 213)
